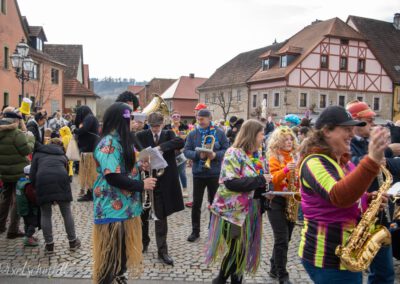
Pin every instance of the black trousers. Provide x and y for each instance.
(282, 231)
(7, 200)
(199, 185)
(161, 225)
(225, 272)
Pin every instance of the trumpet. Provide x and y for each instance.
(208, 143)
(148, 195)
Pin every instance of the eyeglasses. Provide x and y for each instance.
(176, 116)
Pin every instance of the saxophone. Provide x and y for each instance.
(366, 239)
(292, 202)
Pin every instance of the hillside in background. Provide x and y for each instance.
(109, 88)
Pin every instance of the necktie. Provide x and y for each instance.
(156, 139)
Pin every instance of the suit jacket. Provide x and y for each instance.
(168, 185)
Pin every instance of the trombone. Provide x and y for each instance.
(148, 195)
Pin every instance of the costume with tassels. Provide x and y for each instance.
(117, 234)
(236, 222)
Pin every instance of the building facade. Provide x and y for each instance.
(11, 33)
(384, 40)
(182, 97)
(77, 90)
(226, 92)
(327, 63)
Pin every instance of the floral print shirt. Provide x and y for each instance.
(234, 206)
(113, 204)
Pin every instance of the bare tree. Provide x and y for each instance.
(43, 89)
(225, 103)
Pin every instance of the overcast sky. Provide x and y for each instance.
(169, 38)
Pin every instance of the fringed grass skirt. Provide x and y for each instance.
(107, 248)
(87, 171)
(247, 250)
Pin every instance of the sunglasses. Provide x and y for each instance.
(176, 116)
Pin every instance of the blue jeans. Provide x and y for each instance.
(182, 174)
(331, 275)
(381, 269)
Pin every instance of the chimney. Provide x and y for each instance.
(316, 22)
(396, 21)
(191, 75)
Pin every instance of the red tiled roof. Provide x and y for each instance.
(305, 41)
(72, 87)
(69, 54)
(43, 56)
(239, 69)
(135, 89)
(184, 88)
(383, 40)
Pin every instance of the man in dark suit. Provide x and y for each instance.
(167, 193)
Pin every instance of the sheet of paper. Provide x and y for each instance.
(157, 161)
(395, 189)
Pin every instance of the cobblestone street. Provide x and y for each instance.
(15, 260)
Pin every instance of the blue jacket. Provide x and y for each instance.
(193, 140)
(359, 148)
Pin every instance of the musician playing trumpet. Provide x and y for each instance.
(281, 149)
(206, 164)
(167, 196)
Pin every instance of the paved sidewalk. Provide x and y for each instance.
(66, 267)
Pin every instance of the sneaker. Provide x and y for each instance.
(185, 193)
(74, 245)
(49, 248)
(193, 237)
(30, 242)
(189, 204)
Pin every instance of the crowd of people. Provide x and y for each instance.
(321, 175)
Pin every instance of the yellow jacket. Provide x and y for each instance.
(66, 137)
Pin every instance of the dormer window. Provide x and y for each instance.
(283, 61)
(39, 44)
(265, 64)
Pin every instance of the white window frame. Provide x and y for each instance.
(279, 101)
(380, 102)
(307, 100)
(326, 101)
(345, 99)
(39, 44)
(281, 61)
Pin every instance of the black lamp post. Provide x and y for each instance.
(22, 63)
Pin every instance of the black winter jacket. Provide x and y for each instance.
(49, 174)
(88, 135)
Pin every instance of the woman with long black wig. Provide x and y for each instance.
(87, 136)
(117, 234)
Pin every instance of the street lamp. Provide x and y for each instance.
(22, 63)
